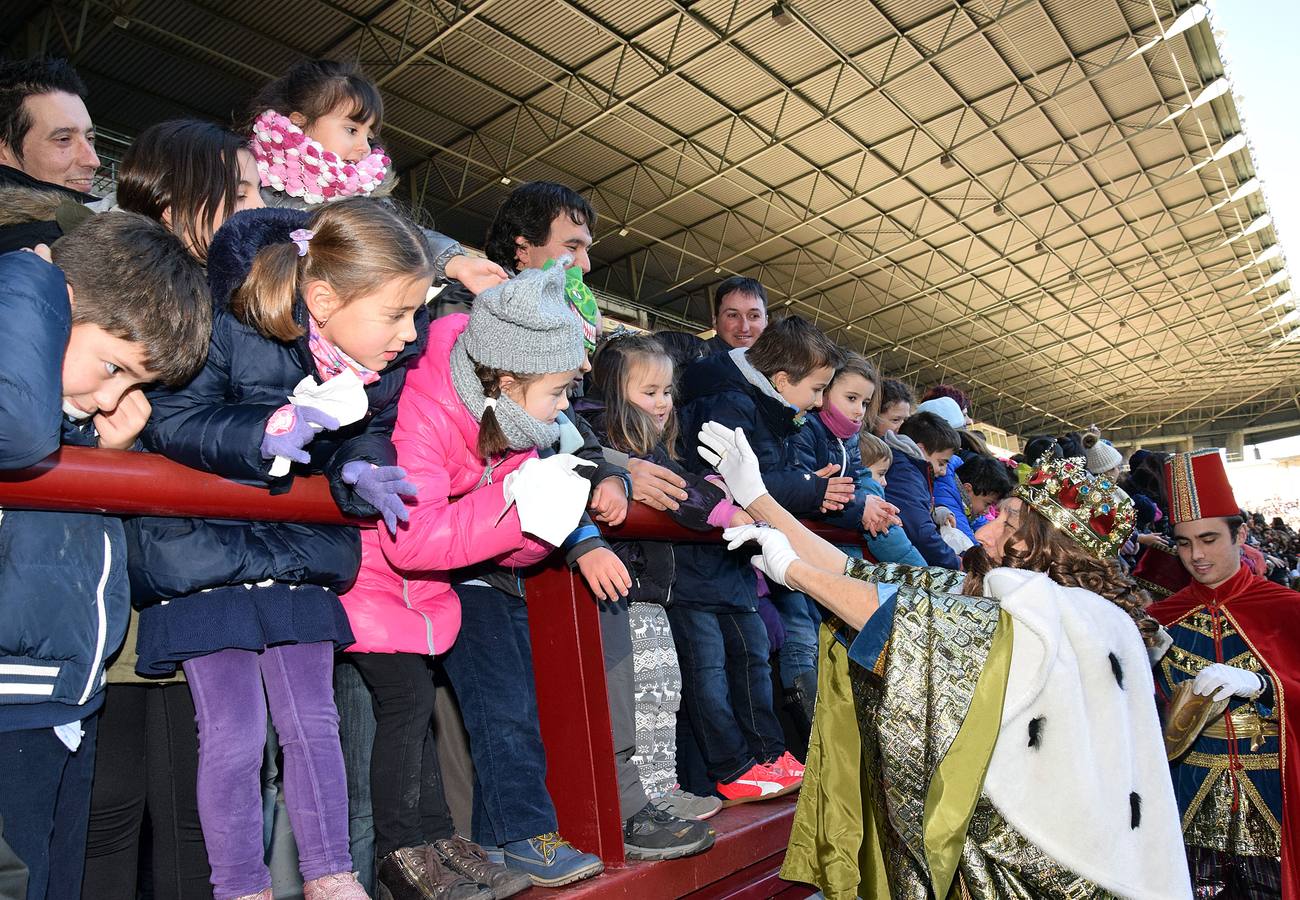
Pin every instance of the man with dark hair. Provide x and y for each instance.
(541, 221)
(47, 141)
(1230, 661)
(739, 313)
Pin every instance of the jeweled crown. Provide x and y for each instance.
(1089, 508)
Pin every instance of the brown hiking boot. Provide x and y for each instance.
(469, 859)
(412, 873)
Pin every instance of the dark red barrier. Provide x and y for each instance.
(134, 484)
(568, 661)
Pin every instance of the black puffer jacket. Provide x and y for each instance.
(653, 564)
(216, 423)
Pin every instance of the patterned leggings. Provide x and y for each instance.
(658, 696)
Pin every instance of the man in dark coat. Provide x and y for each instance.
(47, 143)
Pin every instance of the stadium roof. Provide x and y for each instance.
(1044, 201)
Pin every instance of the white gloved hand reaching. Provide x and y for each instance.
(1218, 681)
(777, 553)
(728, 451)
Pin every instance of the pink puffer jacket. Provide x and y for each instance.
(402, 601)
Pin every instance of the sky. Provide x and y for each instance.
(1257, 40)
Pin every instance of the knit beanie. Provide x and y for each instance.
(1102, 457)
(945, 408)
(525, 326)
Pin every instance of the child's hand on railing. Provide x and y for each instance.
(605, 574)
(383, 488)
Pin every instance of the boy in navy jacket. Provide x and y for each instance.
(722, 644)
(123, 304)
(922, 448)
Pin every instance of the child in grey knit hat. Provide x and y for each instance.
(518, 330)
(474, 413)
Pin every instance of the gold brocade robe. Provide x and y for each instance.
(891, 804)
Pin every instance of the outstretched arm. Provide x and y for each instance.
(852, 600)
(811, 549)
(728, 451)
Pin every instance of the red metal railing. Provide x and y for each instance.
(567, 656)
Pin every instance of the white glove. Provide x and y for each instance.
(1227, 681)
(728, 451)
(549, 494)
(777, 553)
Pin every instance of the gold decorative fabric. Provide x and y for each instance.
(998, 863)
(901, 800)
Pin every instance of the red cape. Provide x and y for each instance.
(1267, 616)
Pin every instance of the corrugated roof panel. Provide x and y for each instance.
(791, 54)
(1078, 174)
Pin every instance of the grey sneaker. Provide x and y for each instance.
(685, 805)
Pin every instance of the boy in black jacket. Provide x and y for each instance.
(123, 304)
(722, 644)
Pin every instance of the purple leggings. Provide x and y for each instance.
(232, 691)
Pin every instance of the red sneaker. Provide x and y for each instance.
(786, 764)
(759, 783)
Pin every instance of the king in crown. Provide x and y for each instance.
(1094, 511)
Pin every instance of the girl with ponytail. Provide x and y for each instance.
(251, 610)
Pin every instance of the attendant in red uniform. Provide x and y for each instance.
(1234, 638)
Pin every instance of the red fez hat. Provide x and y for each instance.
(1198, 487)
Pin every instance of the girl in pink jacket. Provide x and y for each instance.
(475, 409)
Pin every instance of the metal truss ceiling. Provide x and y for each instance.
(1007, 194)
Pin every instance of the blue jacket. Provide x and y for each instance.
(893, 546)
(63, 586)
(907, 486)
(947, 492)
(714, 389)
(814, 448)
(216, 422)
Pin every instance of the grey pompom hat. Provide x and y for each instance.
(525, 326)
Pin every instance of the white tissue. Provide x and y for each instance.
(956, 539)
(550, 496)
(343, 397)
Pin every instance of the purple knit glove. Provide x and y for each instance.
(291, 428)
(382, 487)
(772, 621)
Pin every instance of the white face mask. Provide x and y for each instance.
(73, 413)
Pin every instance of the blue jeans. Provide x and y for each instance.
(727, 688)
(45, 805)
(357, 739)
(491, 671)
(799, 652)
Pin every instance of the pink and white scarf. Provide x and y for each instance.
(292, 163)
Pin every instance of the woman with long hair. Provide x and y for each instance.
(988, 734)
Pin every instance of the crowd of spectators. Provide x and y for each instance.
(193, 314)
